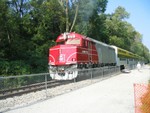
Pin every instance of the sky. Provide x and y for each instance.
(139, 11)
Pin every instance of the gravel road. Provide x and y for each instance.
(113, 95)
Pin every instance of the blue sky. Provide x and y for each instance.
(139, 11)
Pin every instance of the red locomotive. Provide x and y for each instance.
(75, 51)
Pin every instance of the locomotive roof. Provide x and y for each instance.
(64, 36)
(98, 42)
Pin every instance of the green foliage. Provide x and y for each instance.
(119, 31)
(114, 40)
(14, 68)
(120, 13)
(27, 34)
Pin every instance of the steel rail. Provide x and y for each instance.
(31, 88)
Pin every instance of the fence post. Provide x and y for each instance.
(91, 75)
(46, 85)
(116, 69)
(75, 79)
(103, 72)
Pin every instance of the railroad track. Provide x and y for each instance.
(31, 88)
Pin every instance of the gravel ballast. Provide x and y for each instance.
(113, 95)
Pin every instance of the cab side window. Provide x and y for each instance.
(85, 43)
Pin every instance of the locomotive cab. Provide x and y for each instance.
(68, 39)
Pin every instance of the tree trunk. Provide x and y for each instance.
(75, 17)
(67, 17)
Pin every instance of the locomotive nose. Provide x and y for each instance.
(62, 55)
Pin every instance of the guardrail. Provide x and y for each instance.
(97, 72)
(20, 81)
(10, 82)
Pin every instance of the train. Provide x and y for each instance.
(74, 51)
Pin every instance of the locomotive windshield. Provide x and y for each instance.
(73, 41)
(69, 41)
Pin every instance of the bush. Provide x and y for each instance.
(14, 68)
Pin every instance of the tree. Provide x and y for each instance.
(4, 32)
(94, 24)
(120, 32)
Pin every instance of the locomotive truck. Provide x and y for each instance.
(74, 51)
